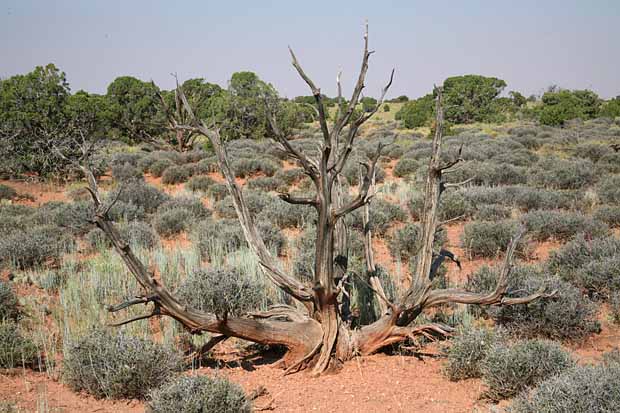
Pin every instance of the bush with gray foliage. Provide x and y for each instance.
(199, 394)
(117, 366)
(509, 369)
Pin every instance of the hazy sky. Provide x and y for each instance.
(529, 43)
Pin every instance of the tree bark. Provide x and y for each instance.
(315, 330)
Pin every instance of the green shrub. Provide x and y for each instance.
(352, 171)
(134, 232)
(172, 222)
(290, 176)
(9, 306)
(490, 173)
(157, 168)
(207, 165)
(614, 307)
(199, 394)
(6, 192)
(143, 195)
(415, 204)
(218, 191)
(14, 218)
(581, 389)
(175, 174)
(563, 174)
(15, 349)
(126, 172)
(609, 214)
(34, 246)
(194, 207)
(591, 151)
(567, 315)
(212, 235)
(73, 217)
(406, 167)
(222, 291)
(383, 215)
(492, 212)
(600, 278)
(609, 189)
(466, 352)
(405, 241)
(256, 201)
(507, 370)
(609, 164)
(266, 183)
(286, 215)
(562, 225)
(199, 183)
(245, 167)
(570, 260)
(8, 407)
(487, 239)
(454, 204)
(117, 366)
(126, 211)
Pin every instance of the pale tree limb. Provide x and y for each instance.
(267, 261)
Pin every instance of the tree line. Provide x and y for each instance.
(40, 117)
(475, 98)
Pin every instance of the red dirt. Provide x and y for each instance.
(41, 192)
(378, 383)
(29, 390)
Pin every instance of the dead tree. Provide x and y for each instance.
(175, 117)
(313, 328)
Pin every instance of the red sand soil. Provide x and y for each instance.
(378, 383)
(41, 192)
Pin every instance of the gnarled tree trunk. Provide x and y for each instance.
(317, 330)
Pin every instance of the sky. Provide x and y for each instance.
(531, 44)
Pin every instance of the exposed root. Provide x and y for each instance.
(295, 367)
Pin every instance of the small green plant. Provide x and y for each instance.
(175, 174)
(15, 349)
(199, 394)
(508, 369)
(9, 306)
(492, 212)
(609, 214)
(199, 183)
(158, 167)
(467, 351)
(614, 307)
(171, 222)
(6, 192)
(562, 225)
(245, 167)
(406, 167)
(222, 291)
(487, 239)
(34, 246)
(217, 191)
(581, 389)
(126, 172)
(142, 195)
(117, 366)
(567, 315)
(609, 189)
(194, 207)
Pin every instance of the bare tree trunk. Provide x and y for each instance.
(318, 333)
